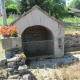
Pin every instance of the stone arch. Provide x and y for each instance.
(37, 41)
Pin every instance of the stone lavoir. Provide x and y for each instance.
(41, 34)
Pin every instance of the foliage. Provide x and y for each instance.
(10, 10)
(75, 4)
(71, 14)
(10, 31)
(9, 20)
(0, 15)
(11, 7)
(53, 7)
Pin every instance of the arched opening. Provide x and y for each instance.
(37, 41)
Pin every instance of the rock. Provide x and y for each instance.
(22, 69)
(13, 76)
(21, 62)
(3, 62)
(11, 64)
(9, 54)
(11, 69)
(3, 74)
(27, 77)
(12, 59)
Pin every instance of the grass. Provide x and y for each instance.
(9, 20)
(65, 73)
(2, 52)
(71, 20)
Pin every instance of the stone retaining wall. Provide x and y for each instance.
(72, 42)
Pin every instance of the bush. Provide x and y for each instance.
(70, 13)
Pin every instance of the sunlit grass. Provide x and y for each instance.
(71, 19)
(9, 20)
(69, 30)
(67, 72)
(2, 52)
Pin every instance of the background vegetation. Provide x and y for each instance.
(55, 8)
(75, 4)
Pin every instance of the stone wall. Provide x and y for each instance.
(36, 33)
(38, 48)
(72, 42)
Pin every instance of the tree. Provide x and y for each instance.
(75, 4)
(53, 7)
(23, 5)
(11, 7)
(56, 8)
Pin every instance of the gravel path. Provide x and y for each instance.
(53, 63)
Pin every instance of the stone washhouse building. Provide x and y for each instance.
(41, 34)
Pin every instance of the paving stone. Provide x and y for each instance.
(23, 69)
(3, 62)
(27, 77)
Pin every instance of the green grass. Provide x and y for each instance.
(71, 20)
(2, 52)
(9, 20)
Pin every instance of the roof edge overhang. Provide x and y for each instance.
(34, 7)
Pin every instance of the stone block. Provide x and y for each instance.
(3, 62)
(23, 69)
(14, 76)
(11, 43)
(27, 77)
(8, 54)
(11, 64)
(11, 69)
(12, 59)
